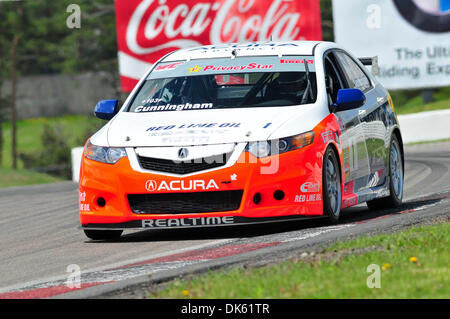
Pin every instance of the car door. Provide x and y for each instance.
(356, 160)
(372, 115)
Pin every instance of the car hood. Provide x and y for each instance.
(200, 127)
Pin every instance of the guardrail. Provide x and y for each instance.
(77, 152)
(425, 126)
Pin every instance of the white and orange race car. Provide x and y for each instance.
(242, 133)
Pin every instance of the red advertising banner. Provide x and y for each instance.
(150, 29)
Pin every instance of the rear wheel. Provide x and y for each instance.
(331, 186)
(395, 180)
(102, 234)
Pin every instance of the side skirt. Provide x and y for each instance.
(374, 192)
(368, 194)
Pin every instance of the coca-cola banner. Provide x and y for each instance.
(149, 29)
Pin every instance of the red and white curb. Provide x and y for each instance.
(151, 266)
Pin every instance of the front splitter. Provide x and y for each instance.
(175, 223)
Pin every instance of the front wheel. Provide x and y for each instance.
(331, 186)
(395, 180)
(102, 234)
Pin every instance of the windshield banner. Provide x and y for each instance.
(235, 66)
(150, 29)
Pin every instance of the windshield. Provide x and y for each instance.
(227, 83)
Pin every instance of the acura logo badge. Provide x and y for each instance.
(151, 185)
(183, 152)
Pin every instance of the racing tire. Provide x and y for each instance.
(396, 180)
(331, 186)
(102, 234)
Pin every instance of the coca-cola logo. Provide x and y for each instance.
(149, 29)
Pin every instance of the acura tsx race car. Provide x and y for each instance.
(242, 133)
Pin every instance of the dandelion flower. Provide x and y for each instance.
(413, 259)
(185, 292)
(386, 266)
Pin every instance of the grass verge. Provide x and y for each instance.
(427, 142)
(414, 104)
(413, 264)
(29, 133)
(21, 177)
(76, 128)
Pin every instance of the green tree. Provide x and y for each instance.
(37, 40)
(326, 12)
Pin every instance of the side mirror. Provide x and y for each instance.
(106, 109)
(348, 99)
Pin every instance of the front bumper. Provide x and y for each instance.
(105, 189)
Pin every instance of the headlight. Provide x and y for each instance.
(259, 149)
(283, 145)
(109, 155)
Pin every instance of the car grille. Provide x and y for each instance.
(183, 167)
(185, 203)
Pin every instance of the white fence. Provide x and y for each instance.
(77, 152)
(425, 126)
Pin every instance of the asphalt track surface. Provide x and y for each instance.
(40, 237)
